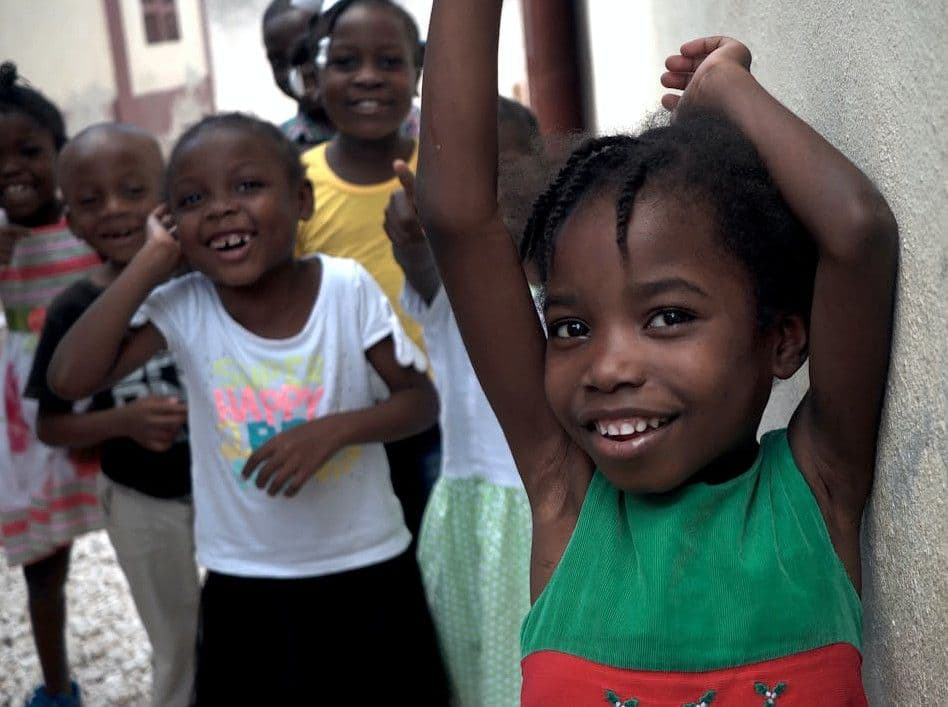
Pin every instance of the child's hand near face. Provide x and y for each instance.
(161, 247)
(687, 69)
(153, 421)
(409, 244)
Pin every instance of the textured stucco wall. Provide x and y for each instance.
(44, 37)
(871, 77)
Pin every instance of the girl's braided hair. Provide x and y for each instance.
(16, 96)
(700, 157)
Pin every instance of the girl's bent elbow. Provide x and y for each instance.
(60, 385)
(871, 229)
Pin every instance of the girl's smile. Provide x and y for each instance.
(27, 171)
(643, 346)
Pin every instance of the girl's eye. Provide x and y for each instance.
(86, 201)
(186, 201)
(569, 329)
(247, 185)
(342, 62)
(669, 318)
(134, 190)
(31, 151)
(390, 62)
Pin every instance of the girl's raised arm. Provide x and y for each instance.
(834, 431)
(99, 349)
(480, 267)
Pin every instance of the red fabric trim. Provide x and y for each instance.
(831, 675)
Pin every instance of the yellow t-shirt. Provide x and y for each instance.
(347, 222)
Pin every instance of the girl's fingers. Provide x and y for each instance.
(278, 480)
(295, 484)
(676, 80)
(702, 45)
(406, 177)
(255, 460)
(684, 64)
(670, 101)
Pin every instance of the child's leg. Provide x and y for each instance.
(45, 583)
(154, 543)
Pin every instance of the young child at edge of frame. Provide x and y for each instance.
(47, 495)
(676, 559)
(111, 177)
(309, 582)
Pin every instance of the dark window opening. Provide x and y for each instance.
(161, 21)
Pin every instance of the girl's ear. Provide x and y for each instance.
(306, 199)
(791, 344)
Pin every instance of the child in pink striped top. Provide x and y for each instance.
(47, 497)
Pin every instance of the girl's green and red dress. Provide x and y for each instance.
(712, 594)
(46, 497)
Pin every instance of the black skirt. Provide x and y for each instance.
(363, 636)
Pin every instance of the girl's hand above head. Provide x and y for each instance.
(687, 69)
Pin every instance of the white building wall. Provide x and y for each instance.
(165, 65)
(45, 38)
(872, 78)
(242, 75)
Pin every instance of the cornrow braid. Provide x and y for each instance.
(704, 158)
(554, 204)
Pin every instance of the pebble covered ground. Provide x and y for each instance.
(108, 648)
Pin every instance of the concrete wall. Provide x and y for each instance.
(38, 37)
(872, 78)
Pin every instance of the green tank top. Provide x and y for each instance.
(705, 577)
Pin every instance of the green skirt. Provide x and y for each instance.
(474, 554)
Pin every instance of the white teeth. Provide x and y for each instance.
(229, 240)
(628, 427)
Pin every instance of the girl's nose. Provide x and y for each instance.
(617, 360)
(368, 75)
(219, 207)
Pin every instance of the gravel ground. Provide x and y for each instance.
(108, 648)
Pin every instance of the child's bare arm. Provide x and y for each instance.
(153, 422)
(292, 457)
(479, 265)
(834, 430)
(100, 349)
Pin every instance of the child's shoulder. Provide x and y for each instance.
(74, 299)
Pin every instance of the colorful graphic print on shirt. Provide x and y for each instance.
(255, 405)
